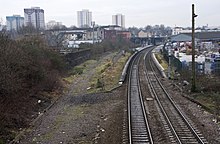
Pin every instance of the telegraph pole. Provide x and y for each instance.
(193, 88)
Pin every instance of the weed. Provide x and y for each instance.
(77, 70)
(99, 84)
(1, 141)
(161, 60)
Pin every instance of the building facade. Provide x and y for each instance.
(124, 34)
(14, 22)
(144, 34)
(34, 16)
(84, 19)
(118, 20)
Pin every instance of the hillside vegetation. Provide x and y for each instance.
(27, 68)
(31, 77)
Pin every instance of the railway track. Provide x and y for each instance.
(176, 124)
(139, 131)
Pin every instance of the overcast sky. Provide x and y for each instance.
(137, 13)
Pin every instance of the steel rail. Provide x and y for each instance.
(196, 136)
(139, 130)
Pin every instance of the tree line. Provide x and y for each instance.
(157, 30)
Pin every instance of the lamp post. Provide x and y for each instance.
(93, 25)
(98, 34)
(193, 88)
(169, 64)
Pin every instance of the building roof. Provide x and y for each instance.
(181, 38)
(203, 36)
(206, 35)
(110, 26)
(145, 31)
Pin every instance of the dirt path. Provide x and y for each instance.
(79, 117)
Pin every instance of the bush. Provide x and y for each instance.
(116, 44)
(204, 82)
(12, 63)
(77, 70)
(28, 65)
(27, 68)
(99, 84)
(44, 63)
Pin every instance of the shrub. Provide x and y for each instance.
(99, 84)
(27, 68)
(28, 65)
(77, 70)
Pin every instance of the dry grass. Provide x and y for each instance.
(83, 68)
(113, 73)
(210, 101)
(105, 74)
(108, 74)
(161, 60)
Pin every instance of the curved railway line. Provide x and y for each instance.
(179, 128)
(139, 131)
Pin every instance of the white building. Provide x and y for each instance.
(14, 22)
(118, 20)
(84, 19)
(179, 30)
(34, 16)
(144, 34)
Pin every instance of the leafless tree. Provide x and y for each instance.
(217, 105)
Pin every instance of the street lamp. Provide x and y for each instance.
(169, 64)
(193, 88)
(93, 25)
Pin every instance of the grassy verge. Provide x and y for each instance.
(1, 141)
(165, 65)
(210, 101)
(112, 75)
(79, 70)
(107, 74)
(161, 60)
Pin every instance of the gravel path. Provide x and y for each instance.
(79, 117)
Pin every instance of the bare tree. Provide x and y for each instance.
(12, 59)
(217, 106)
(1, 21)
(28, 30)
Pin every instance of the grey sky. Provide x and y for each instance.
(137, 12)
